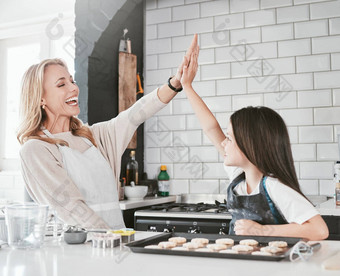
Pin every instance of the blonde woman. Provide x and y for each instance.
(72, 167)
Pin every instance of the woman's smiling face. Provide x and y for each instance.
(60, 95)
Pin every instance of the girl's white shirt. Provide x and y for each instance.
(292, 205)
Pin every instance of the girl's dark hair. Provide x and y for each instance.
(262, 136)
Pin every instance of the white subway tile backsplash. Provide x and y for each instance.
(230, 54)
(336, 97)
(309, 187)
(204, 186)
(178, 187)
(159, 46)
(218, 103)
(231, 87)
(210, 154)
(215, 71)
(218, 7)
(325, 10)
(170, 60)
(7, 181)
(214, 171)
(327, 152)
(185, 12)
(311, 28)
(327, 79)
(246, 69)
(263, 84)
(204, 88)
(334, 26)
(206, 56)
(313, 63)
(189, 138)
(261, 50)
(247, 100)
(299, 2)
(157, 77)
(194, 1)
(260, 18)
(296, 117)
(244, 5)
(316, 170)
(327, 187)
(181, 43)
(158, 139)
(327, 115)
(215, 39)
(267, 4)
(181, 106)
(296, 82)
(293, 134)
(169, 3)
(192, 122)
(335, 61)
(328, 44)
(179, 153)
(315, 134)
(158, 16)
(277, 32)
(171, 29)
(202, 25)
(152, 155)
(150, 4)
(174, 122)
(314, 98)
(294, 47)
(292, 14)
(273, 100)
(250, 35)
(229, 22)
(223, 186)
(304, 152)
(151, 32)
(188, 170)
(151, 62)
(279, 66)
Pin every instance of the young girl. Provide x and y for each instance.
(264, 196)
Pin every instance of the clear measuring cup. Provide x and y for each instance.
(26, 225)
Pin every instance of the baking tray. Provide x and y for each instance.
(138, 246)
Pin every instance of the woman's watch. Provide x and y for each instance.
(174, 88)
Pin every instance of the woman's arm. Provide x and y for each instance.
(313, 229)
(207, 120)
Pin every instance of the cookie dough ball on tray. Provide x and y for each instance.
(229, 251)
(261, 253)
(280, 244)
(242, 248)
(204, 250)
(152, 246)
(192, 245)
(200, 240)
(249, 242)
(225, 241)
(180, 249)
(217, 247)
(167, 245)
(271, 249)
(178, 240)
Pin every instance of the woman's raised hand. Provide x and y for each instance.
(190, 67)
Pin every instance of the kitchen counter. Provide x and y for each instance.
(328, 208)
(63, 259)
(147, 201)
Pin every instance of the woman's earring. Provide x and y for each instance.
(43, 106)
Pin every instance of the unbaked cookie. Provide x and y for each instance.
(204, 250)
(229, 251)
(180, 249)
(200, 240)
(249, 242)
(217, 247)
(192, 245)
(178, 240)
(261, 253)
(278, 244)
(271, 249)
(225, 241)
(167, 244)
(152, 246)
(242, 248)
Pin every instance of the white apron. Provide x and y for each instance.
(93, 175)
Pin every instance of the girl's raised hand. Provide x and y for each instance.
(190, 69)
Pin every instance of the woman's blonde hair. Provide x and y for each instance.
(33, 115)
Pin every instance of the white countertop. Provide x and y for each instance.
(329, 208)
(147, 201)
(63, 259)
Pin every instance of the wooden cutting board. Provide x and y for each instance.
(127, 70)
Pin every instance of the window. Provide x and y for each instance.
(16, 55)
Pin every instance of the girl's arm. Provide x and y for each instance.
(207, 120)
(313, 229)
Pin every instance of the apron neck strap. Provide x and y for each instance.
(47, 133)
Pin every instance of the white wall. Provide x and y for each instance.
(284, 54)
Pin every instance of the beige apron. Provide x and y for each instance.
(92, 174)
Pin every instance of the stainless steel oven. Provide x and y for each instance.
(191, 213)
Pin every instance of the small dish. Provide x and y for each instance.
(75, 236)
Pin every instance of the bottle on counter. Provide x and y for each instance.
(121, 191)
(163, 182)
(337, 182)
(132, 169)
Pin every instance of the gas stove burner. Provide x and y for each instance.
(218, 207)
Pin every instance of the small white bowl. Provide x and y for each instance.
(136, 192)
